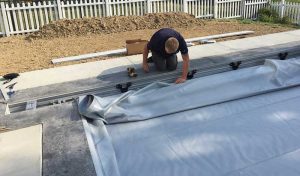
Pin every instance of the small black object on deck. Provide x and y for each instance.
(10, 76)
(123, 87)
(190, 74)
(282, 56)
(235, 65)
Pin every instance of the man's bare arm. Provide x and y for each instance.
(185, 68)
(145, 56)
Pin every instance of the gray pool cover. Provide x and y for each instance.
(244, 122)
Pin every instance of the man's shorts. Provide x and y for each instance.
(165, 63)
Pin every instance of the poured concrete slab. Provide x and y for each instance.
(294, 33)
(197, 52)
(262, 41)
(70, 73)
(21, 152)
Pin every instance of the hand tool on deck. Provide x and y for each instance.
(123, 87)
(9, 77)
(131, 72)
(4, 129)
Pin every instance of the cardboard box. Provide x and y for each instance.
(135, 46)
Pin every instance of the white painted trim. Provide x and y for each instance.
(88, 56)
(29, 7)
(228, 1)
(219, 36)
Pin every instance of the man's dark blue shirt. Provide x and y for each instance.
(157, 42)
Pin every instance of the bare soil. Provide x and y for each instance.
(75, 37)
(115, 24)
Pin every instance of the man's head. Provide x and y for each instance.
(171, 45)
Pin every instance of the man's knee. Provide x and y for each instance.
(159, 62)
(161, 67)
(172, 63)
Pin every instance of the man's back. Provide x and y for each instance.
(158, 40)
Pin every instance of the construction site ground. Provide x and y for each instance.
(35, 52)
(65, 149)
(96, 69)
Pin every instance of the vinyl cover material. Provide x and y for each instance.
(159, 99)
(243, 122)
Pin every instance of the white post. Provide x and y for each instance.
(107, 8)
(243, 8)
(216, 9)
(185, 6)
(59, 8)
(282, 8)
(149, 8)
(2, 30)
(5, 22)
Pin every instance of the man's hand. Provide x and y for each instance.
(180, 80)
(185, 69)
(146, 67)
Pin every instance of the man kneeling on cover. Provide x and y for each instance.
(164, 45)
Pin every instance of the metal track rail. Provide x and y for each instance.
(110, 89)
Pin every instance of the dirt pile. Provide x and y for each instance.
(114, 24)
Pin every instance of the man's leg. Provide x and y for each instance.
(172, 62)
(159, 62)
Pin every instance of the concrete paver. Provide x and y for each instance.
(24, 147)
(65, 149)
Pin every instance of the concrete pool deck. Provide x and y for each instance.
(93, 69)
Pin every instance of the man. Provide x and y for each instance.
(164, 45)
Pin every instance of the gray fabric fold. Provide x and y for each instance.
(101, 148)
(159, 99)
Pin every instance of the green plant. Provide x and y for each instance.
(271, 16)
(246, 21)
(268, 15)
(285, 20)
